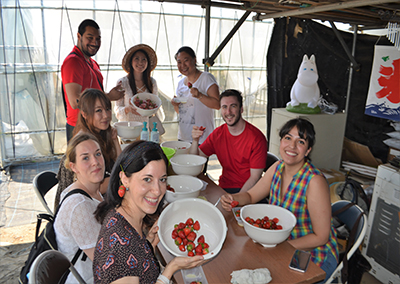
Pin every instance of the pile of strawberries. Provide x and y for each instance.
(185, 237)
(145, 104)
(264, 223)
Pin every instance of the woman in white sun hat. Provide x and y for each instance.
(139, 61)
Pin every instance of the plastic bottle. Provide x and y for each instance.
(155, 137)
(144, 135)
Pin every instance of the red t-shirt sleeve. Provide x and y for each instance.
(72, 70)
(258, 157)
(207, 147)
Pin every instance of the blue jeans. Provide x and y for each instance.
(232, 190)
(329, 266)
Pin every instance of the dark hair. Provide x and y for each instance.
(146, 74)
(232, 93)
(304, 127)
(87, 102)
(186, 49)
(87, 23)
(132, 160)
(73, 143)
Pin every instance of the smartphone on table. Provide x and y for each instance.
(300, 260)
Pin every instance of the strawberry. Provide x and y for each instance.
(200, 240)
(186, 231)
(189, 222)
(234, 203)
(196, 225)
(202, 128)
(192, 236)
(181, 225)
(182, 248)
(190, 253)
(190, 85)
(174, 234)
(205, 251)
(178, 241)
(181, 234)
(185, 242)
(199, 249)
(190, 246)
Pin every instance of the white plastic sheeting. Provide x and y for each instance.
(36, 36)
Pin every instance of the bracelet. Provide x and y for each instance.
(163, 279)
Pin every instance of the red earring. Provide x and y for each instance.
(121, 191)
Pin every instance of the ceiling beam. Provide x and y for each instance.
(322, 8)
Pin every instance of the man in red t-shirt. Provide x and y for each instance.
(79, 72)
(241, 147)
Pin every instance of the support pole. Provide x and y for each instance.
(353, 51)
(207, 36)
(354, 64)
(210, 61)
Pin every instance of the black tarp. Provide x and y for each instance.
(285, 54)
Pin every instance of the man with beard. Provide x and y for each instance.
(241, 147)
(79, 72)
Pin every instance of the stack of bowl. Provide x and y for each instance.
(188, 164)
(184, 187)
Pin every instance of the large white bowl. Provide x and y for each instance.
(187, 164)
(128, 129)
(181, 147)
(145, 96)
(212, 224)
(184, 186)
(268, 238)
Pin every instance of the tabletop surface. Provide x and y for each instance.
(240, 252)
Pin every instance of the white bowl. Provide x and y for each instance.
(268, 238)
(181, 147)
(184, 186)
(144, 96)
(212, 224)
(187, 164)
(128, 129)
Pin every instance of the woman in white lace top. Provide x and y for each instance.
(75, 225)
(139, 61)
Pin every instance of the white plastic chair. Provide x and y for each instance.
(349, 217)
(50, 266)
(42, 183)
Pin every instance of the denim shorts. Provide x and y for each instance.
(329, 266)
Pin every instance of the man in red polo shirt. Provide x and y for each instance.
(79, 72)
(241, 147)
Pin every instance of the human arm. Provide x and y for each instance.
(212, 98)
(174, 265)
(259, 191)
(175, 105)
(194, 148)
(319, 208)
(115, 140)
(255, 175)
(73, 91)
(116, 93)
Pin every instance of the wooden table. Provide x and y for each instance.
(239, 252)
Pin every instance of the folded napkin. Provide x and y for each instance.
(247, 276)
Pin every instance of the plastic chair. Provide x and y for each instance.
(42, 183)
(50, 266)
(271, 159)
(349, 217)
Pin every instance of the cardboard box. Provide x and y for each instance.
(393, 152)
(333, 175)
